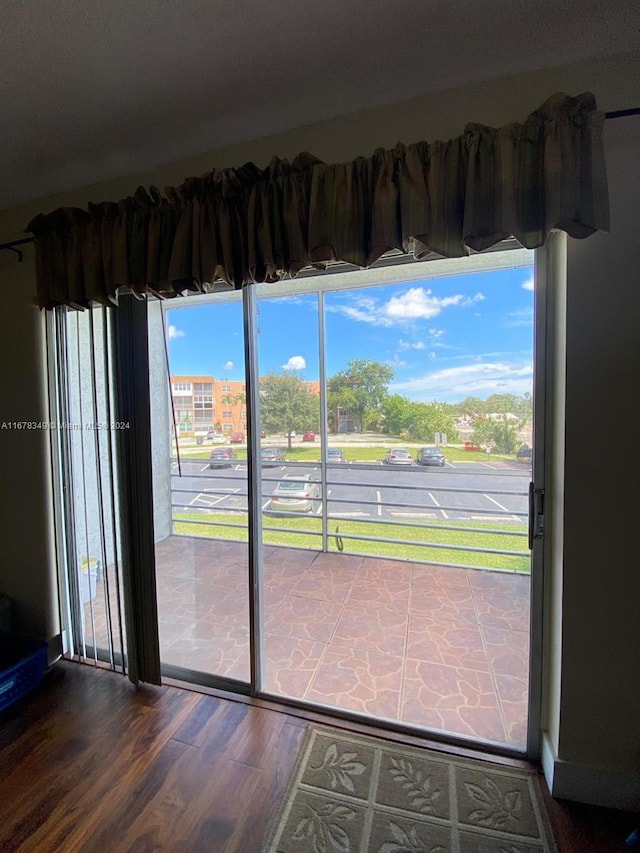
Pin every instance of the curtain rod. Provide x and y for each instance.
(11, 246)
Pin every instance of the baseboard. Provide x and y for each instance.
(596, 786)
(55, 649)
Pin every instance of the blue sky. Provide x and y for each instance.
(446, 338)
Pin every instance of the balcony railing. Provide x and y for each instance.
(361, 510)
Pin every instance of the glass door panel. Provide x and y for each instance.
(406, 597)
(200, 485)
(292, 442)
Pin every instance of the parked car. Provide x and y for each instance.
(430, 456)
(237, 438)
(222, 457)
(308, 436)
(216, 437)
(469, 445)
(272, 456)
(334, 454)
(524, 454)
(398, 456)
(296, 493)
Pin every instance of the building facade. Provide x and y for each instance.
(201, 403)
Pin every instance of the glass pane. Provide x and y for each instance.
(292, 492)
(200, 485)
(406, 596)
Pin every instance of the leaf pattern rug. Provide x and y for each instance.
(357, 794)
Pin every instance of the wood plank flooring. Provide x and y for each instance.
(90, 763)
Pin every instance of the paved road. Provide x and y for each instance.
(470, 491)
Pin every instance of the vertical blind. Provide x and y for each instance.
(100, 409)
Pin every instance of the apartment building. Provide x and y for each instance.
(204, 402)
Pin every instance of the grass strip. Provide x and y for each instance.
(356, 453)
(306, 532)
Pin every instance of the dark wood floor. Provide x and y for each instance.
(90, 763)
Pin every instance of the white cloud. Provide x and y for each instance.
(416, 303)
(296, 362)
(521, 317)
(471, 300)
(229, 365)
(436, 333)
(478, 379)
(363, 310)
(527, 284)
(174, 332)
(396, 362)
(405, 345)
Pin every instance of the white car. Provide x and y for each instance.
(216, 437)
(398, 456)
(296, 493)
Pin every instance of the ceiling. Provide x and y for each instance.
(92, 90)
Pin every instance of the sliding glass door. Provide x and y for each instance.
(413, 606)
(341, 468)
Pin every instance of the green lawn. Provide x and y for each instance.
(355, 453)
(306, 532)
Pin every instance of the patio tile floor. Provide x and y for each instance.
(445, 648)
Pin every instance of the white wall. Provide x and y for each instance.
(592, 702)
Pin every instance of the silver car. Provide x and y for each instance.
(296, 493)
(398, 456)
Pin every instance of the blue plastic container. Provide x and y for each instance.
(23, 661)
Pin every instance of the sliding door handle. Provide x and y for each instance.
(536, 514)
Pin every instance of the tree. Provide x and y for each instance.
(233, 401)
(427, 419)
(361, 389)
(503, 403)
(287, 404)
(396, 411)
(471, 407)
(500, 435)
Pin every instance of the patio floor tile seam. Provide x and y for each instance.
(331, 648)
(494, 681)
(404, 658)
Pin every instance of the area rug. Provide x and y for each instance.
(356, 794)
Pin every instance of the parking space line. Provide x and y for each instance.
(413, 514)
(202, 498)
(205, 468)
(501, 506)
(494, 501)
(379, 497)
(438, 505)
(266, 503)
(450, 464)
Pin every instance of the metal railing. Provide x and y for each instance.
(461, 541)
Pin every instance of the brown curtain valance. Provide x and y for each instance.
(249, 224)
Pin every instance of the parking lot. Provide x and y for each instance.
(470, 491)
